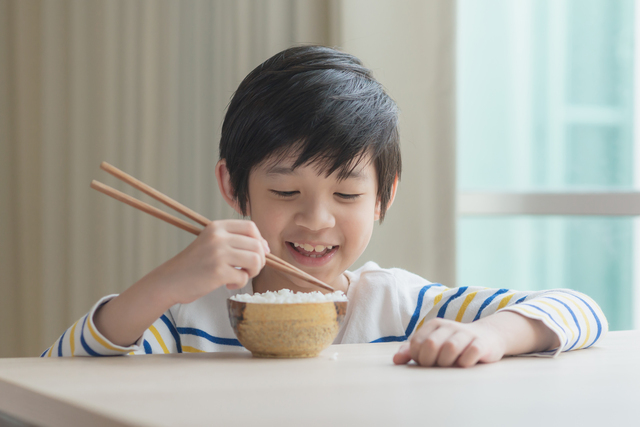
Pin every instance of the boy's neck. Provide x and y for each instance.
(273, 280)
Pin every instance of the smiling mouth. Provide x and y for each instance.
(313, 252)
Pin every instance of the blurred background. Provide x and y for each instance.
(508, 110)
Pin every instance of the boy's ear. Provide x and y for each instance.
(391, 199)
(224, 184)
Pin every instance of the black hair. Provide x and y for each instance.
(316, 103)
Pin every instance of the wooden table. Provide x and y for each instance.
(360, 386)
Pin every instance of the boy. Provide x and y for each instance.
(310, 151)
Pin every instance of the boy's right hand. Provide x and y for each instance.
(210, 261)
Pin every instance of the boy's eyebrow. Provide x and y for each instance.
(280, 170)
(356, 174)
(287, 170)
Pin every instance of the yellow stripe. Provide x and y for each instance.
(589, 299)
(595, 308)
(504, 301)
(189, 349)
(131, 353)
(435, 302)
(573, 334)
(155, 332)
(72, 340)
(100, 340)
(466, 302)
(534, 315)
(586, 321)
(584, 316)
(50, 351)
(438, 298)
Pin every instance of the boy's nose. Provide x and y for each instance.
(315, 216)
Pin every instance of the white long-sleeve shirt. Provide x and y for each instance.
(384, 305)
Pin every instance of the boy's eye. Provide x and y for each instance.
(284, 193)
(347, 196)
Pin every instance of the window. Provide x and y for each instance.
(548, 170)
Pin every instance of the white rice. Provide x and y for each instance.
(286, 296)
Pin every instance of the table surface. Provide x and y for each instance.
(355, 384)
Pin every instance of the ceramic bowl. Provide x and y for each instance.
(286, 330)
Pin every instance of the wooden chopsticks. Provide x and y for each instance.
(272, 260)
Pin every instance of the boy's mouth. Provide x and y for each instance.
(311, 251)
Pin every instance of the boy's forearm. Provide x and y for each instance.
(521, 334)
(124, 319)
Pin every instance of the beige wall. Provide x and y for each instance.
(144, 86)
(409, 45)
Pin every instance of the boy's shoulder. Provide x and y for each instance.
(383, 302)
(371, 274)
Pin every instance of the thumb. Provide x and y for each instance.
(403, 356)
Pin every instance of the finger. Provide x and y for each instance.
(453, 347)
(421, 335)
(237, 278)
(247, 228)
(427, 352)
(428, 327)
(471, 354)
(242, 226)
(403, 356)
(249, 261)
(251, 244)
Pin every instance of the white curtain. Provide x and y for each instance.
(144, 85)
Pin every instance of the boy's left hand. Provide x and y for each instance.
(441, 342)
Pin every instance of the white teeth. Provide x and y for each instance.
(310, 248)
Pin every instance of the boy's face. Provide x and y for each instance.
(319, 224)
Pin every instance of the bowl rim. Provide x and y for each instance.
(285, 303)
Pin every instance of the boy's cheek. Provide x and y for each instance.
(268, 222)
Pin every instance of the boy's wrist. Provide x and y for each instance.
(521, 334)
(158, 285)
(124, 319)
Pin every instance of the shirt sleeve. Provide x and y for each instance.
(84, 339)
(576, 319)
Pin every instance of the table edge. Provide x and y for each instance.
(43, 409)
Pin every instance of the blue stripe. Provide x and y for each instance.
(45, 352)
(443, 309)
(575, 320)
(488, 301)
(147, 347)
(84, 343)
(522, 299)
(592, 312)
(550, 317)
(173, 331)
(416, 312)
(413, 320)
(391, 339)
(215, 340)
(60, 344)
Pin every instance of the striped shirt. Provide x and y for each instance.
(385, 305)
